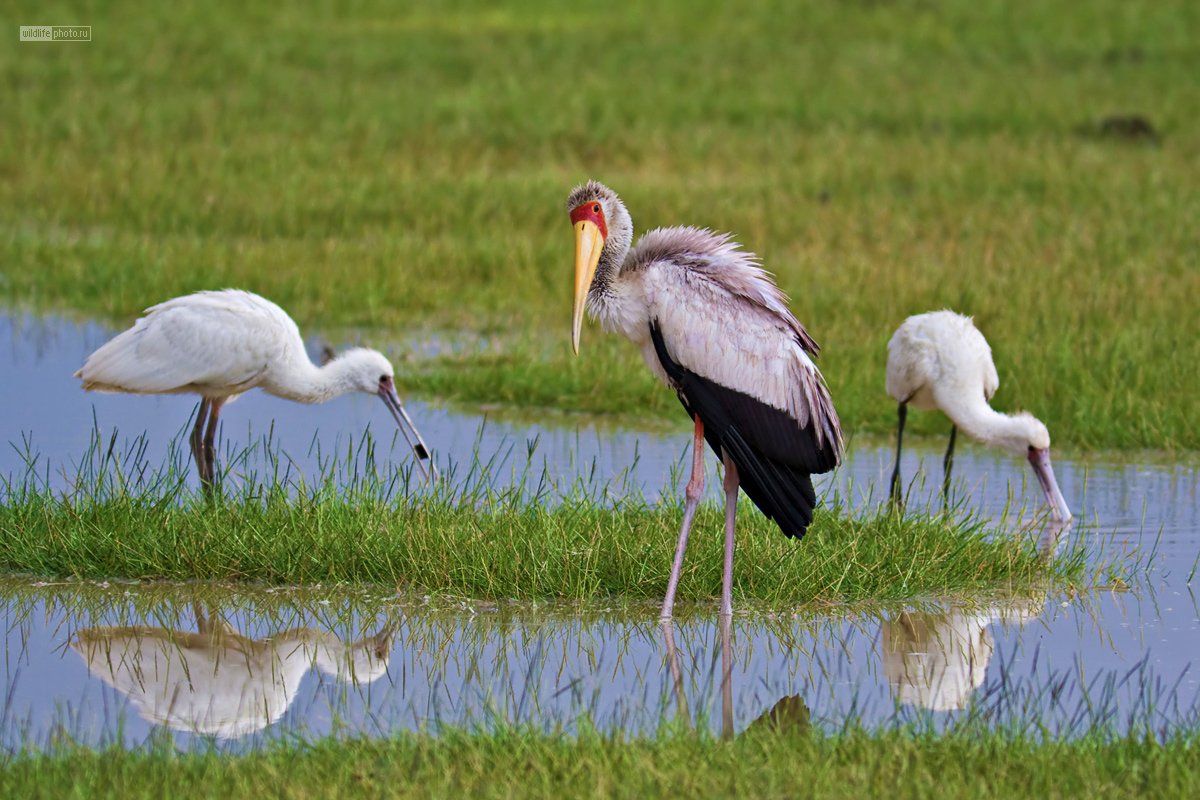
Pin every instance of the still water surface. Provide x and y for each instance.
(122, 664)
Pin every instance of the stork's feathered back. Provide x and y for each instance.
(717, 257)
(724, 319)
(712, 324)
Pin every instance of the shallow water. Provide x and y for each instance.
(44, 412)
(248, 668)
(101, 667)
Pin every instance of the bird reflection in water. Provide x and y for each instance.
(936, 660)
(216, 681)
(725, 623)
(789, 714)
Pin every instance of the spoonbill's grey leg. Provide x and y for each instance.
(901, 413)
(210, 444)
(692, 493)
(731, 498)
(196, 441)
(948, 465)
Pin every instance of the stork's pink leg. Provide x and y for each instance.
(695, 488)
(731, 498)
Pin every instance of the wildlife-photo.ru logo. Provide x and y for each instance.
(56, 33)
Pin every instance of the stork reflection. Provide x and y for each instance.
(217, 682)
(675, 670)
(789, 714)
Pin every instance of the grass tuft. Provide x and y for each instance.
(359, 522)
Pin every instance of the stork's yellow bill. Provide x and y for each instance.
(590, 233)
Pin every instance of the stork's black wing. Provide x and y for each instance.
(775, 456)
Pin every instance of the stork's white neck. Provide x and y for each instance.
(615, 299)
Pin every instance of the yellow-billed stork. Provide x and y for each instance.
(713, 326)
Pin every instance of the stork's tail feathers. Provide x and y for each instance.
(785, 494)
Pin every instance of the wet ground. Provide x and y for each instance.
(127, 664)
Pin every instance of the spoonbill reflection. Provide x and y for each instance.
(217, 682)
(936, 660)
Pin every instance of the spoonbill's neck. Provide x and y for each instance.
(360, 662)
(981, 422)
(304, 382)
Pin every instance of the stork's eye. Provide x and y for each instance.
(595, 208)
(383, 378)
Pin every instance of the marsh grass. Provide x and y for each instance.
(363, 521)
(392, 170)
(771, 761)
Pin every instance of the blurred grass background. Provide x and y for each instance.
(397, 169)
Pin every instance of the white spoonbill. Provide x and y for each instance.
(219, 344)
(713, 326)
(940, 360)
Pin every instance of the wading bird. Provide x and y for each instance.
(220, 344)
(940, 360)
(713, 326)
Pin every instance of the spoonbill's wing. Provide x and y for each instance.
(215, 343)
(939, 351)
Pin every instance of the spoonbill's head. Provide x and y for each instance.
(369, 371)
(1030, 437)
(359, 663)
(602, 228)
(366, 370)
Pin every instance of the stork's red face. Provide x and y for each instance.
(593, 212)
(591, 231)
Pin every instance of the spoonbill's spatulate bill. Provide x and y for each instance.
(940, 360)
(712, 325)
(223, 343)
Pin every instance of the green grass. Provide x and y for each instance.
(761, 763)
(576, 551)
(395, 170)
(362, 523)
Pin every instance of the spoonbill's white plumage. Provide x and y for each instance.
(219, 344)
(940, 360)
(713, 326)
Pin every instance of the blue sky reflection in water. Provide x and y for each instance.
(246, 670)
(237, 672)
